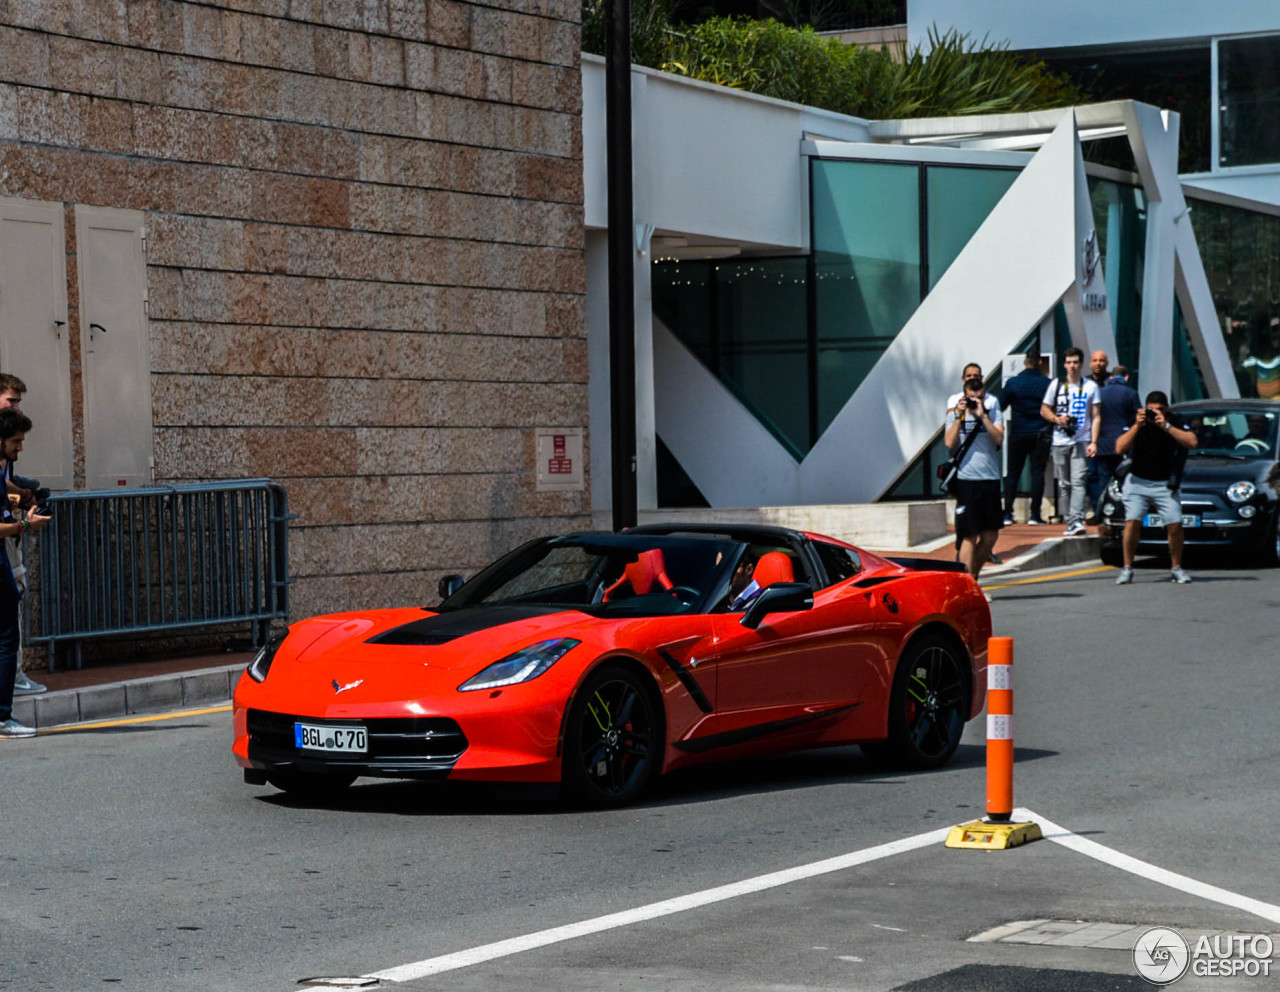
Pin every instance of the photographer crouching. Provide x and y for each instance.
(1157, 447)
(974, 434)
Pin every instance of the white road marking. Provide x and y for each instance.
(667, 907)
(760, 883)
(1061, 835)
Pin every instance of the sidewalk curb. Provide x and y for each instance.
(1052, 553)
(112, 700)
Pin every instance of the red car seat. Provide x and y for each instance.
(648, 570)
(772, 567)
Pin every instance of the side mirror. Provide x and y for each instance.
(781, 597)
(449, 585)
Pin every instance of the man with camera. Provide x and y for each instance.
(1071, 405)
(14, 523)
(1157, 446)
(974, 433)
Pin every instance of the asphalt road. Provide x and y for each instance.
(1146, 723)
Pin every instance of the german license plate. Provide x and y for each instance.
(1188, 520)
(315, 737)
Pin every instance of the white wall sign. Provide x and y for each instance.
(560, 461)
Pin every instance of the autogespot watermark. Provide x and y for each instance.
(1162, 955)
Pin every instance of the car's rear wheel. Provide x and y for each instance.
(612, 739)
(310, 785)
(928, 706)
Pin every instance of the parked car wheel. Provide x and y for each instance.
(1269, 552)
(1112, 555)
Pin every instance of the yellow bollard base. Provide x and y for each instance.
(983, 835)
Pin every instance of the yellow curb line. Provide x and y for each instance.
(155, 718)
(1051, 578)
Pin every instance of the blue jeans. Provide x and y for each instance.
(9, 597)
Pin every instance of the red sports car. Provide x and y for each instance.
(598, 661)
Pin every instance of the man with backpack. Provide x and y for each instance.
(1071, 405)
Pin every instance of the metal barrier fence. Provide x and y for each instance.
(120, 561)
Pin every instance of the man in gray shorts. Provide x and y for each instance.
(1157, 446)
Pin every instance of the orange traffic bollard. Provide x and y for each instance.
(1000, 729)
(996, 832)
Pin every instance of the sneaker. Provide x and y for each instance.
(1035, 522)
(1125, 576)
(1008, 519)
(1075, 530)
(12, 729)
(1179, 576)
(995, 559)
(24, 686)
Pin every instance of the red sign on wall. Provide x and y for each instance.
(560, 459)
(559, 463)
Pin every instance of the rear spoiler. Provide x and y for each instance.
(929, 564)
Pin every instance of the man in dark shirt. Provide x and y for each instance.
(1158, 447)
(1118, 405)
(1094, 486)
(1098, 368)
(1026, 436)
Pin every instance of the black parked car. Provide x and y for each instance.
(1226, 502)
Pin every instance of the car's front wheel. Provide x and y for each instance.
(1112, 554)
(612, 739)
(1269, 552)
(310, 785)
(928, 706)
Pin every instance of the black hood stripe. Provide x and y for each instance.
(445, 627)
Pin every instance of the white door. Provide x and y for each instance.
(116, 347)
(34, 343)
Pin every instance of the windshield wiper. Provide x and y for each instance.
(1217, 453)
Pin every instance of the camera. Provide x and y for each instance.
(1070, 426)
(42, 501)
(970, 403)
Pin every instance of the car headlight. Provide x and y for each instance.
(527, 663)
(261, 663)
(1114, 490)
(1241, 492)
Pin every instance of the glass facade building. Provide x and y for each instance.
(1241, 253)
(794, 337)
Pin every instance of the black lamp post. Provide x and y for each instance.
(621, 219)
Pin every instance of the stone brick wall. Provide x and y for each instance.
(365, 253)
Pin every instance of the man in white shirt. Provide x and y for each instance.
(1071, 405)
(975, 424)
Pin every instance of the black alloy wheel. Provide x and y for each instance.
(310, 785)
(612, 743)
(928, 706)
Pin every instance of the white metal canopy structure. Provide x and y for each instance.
(1035, 250)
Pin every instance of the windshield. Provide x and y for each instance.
(1245, 434)
(605, 574)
